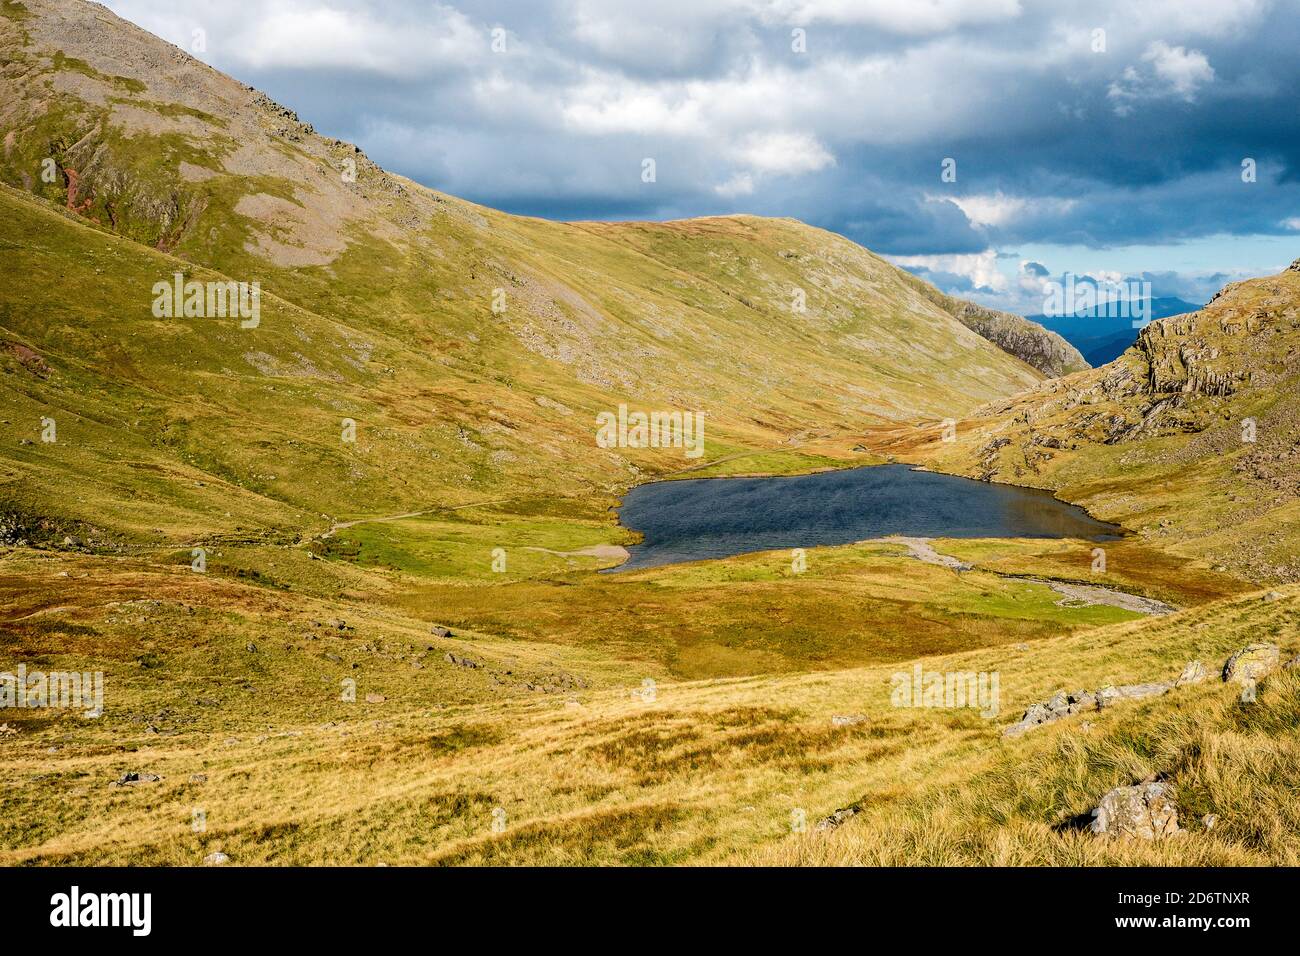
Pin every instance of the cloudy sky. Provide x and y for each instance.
(1094, 137)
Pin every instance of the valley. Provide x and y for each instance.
(343, 568)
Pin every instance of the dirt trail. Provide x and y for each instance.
(922, 550)
(1076, 594)
(607, 551)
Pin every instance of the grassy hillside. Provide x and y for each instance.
(1191, 438)
(668, 715)
(472, 348)
(230, 692)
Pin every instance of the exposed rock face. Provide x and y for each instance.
(1014, 334)
(1219, 386)
(1063, 704)
(1253, 662)
(1145, 811)
(1060, 705)
(1027, 341)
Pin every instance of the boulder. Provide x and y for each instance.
(1193, 673)
(1252, 662)
(1110, 695)
(438, 631)
(1145, 811)
(216, 859)
(835, 819)
(1060, 705)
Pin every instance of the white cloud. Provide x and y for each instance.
(1174, 71)
(908, 17)
(741, 184)
(981, 268)
(998, 209)
(991, 210)
(1181, 70)
(607, 104)
(304, 34)
(784, 153)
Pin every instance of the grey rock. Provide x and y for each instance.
(1061, 704)
(1193, 673)
(837, 818)
(1108, 696)
(438, 631)
(216, 859)
(1252, 662)
(1145, 811)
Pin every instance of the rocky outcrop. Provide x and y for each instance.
(1066, 704)
(1059, 706)
(1253, 662)
(1144, 811)
(836, 819)
(1027, 341)
(1014, 334)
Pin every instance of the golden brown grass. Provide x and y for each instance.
(706, 771)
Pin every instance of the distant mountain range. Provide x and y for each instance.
(1103, 338)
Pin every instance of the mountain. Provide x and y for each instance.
(1191, 436)
(1103, 350)
(335, 554)
(472, 348)
(1103, 338)
(1026, 339)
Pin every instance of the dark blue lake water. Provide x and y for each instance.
(692, 519)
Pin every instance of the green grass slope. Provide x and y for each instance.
(1191, 437)
(472, 348)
